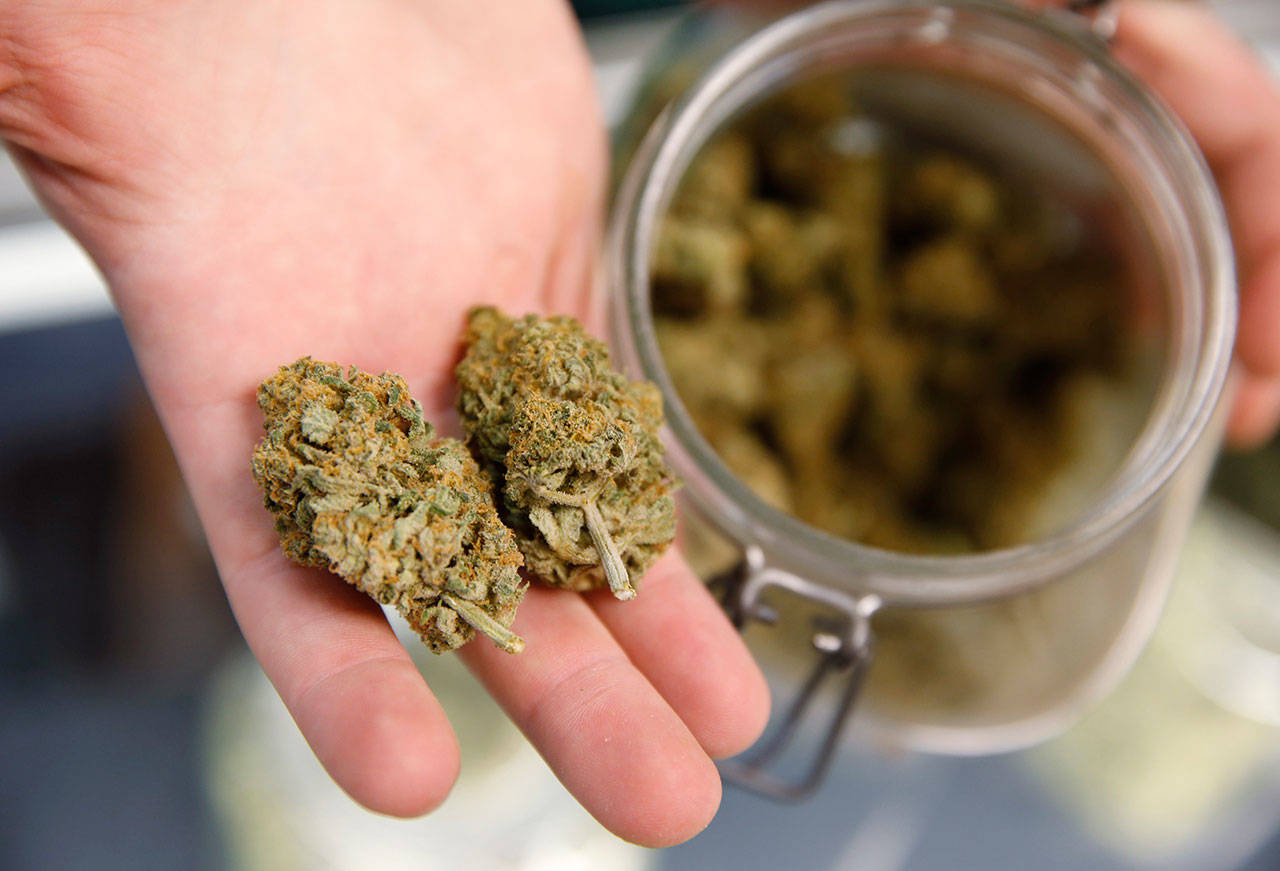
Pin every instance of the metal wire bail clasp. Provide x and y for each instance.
(844, 647)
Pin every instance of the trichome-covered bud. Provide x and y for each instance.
(574, 447)
(359, 484)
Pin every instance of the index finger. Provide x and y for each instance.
(351, 687)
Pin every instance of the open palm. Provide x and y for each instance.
(262, 180)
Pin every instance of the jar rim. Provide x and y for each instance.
(902, 578)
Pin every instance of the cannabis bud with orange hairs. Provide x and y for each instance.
(573, 447)
(359, 484)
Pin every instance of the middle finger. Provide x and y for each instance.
(604, 730)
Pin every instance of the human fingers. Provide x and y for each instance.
(677, 635)
(1231, 105)
(350, 686)
(1258, 343)
(602, 727)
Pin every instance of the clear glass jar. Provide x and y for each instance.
(999, 649)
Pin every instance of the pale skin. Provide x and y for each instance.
(263, 179)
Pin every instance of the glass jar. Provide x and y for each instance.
(994, 650)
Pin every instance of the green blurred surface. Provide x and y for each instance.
(1251, 480)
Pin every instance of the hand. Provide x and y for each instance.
(1231, 104)
(261, 180)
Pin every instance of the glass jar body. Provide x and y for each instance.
(987, 651)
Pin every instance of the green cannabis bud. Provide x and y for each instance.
(573, 446)
(359, 484)
(895, 343)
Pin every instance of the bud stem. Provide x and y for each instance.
(615, 570)
(482, 622)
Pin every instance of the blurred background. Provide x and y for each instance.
(136, 731)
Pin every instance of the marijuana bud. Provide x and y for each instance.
(359, 484)
(572, 444)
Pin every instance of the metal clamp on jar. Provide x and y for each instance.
(996, 649)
